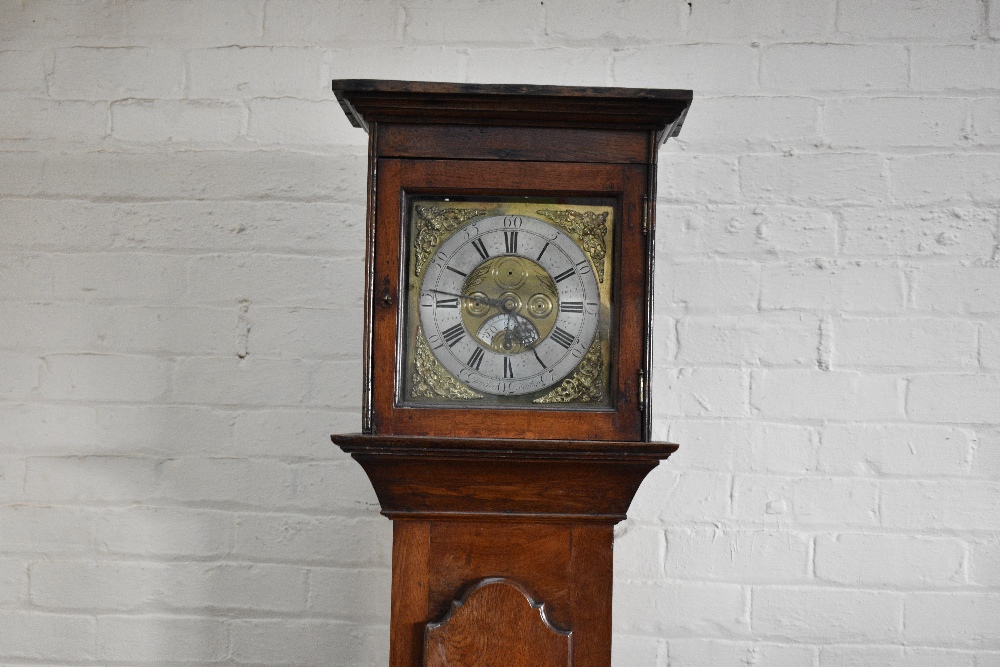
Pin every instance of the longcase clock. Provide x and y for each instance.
(506, 419)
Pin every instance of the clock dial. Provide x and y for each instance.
(509, 304)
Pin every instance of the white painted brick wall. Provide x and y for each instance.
(181, 234)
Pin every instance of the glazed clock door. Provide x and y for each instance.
(497, 303)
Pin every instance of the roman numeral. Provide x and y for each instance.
(476, 360)
(560, 336)
(508, 369)
(562, 276)
(510, 241)
(540, 362)
(446, 303)
(453, 269)
(544, 248)
(481, 248)
(453, 334)
(571, 306)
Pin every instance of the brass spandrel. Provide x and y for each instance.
(585, 384)
(589, 228)
(431, 380)
(433, 225)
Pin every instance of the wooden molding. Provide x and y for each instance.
(367, 101)
(548, 480)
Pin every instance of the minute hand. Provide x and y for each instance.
(489, 301)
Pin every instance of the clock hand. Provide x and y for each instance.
(490, 302)
(518, 331)
(460, 296)
(529, 335)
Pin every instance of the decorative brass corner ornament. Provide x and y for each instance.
(584, 385)
(587, 227)
(431, 380)
(431, 223)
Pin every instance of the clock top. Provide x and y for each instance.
(509, 257)
(423, 102)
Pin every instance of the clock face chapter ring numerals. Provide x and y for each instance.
(509, 304)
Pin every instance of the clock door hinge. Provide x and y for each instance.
(642, 390)
(645, 215)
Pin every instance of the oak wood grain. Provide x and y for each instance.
(630, 326)
(496, 624)
(536, 554)
(540, 480)
(410, 541)
(537, 512)
(592, 565)
(478, 142)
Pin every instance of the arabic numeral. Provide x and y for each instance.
(440, 260)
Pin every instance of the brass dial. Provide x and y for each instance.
(509, 304)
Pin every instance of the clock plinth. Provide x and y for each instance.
(538, 514)
(507, 351)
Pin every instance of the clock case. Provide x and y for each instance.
(502, 550)
(510, 141)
